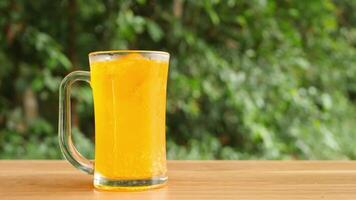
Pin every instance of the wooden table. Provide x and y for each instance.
(189, 180)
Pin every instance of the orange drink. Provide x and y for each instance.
(129, 106)
(129, 92)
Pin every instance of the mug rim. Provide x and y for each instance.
(114, 52)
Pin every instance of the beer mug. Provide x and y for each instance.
(129, 92)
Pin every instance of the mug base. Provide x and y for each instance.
(103, 183)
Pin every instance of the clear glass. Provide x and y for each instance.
(129, 89)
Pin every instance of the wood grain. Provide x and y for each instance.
(189, 180)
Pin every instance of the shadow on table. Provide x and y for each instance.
(66, 186)
(155, 194)
(48, 183)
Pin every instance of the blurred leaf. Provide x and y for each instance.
(154, 30)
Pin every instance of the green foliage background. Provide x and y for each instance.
(249, 79)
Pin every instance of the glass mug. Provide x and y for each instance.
(129, 92)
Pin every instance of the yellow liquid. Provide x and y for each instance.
(129, 104)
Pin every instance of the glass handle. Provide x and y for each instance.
(64, 126)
